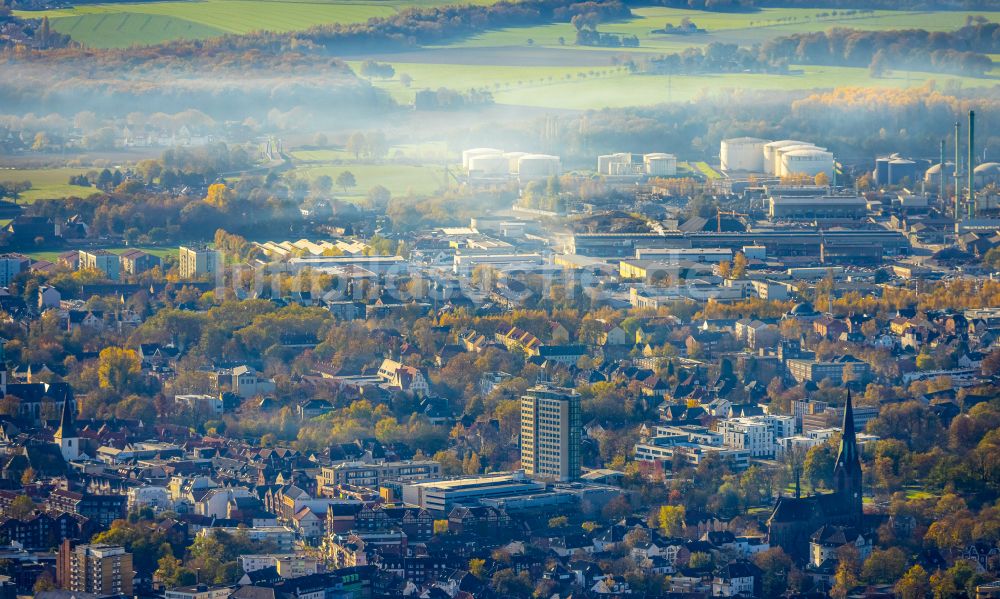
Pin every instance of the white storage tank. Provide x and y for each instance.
(742, 154)
(488, 165)
(809, 162)
(660, 165)
(779, 156)
(468, 154)
(538, 166)
(512, 159)
(771, 164)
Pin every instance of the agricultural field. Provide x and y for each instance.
(49, 183)
(143, 23)
(583, 88)
(541, 67)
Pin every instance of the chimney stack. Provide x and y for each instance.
(972, 163)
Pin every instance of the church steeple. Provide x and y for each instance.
(847, 471)
(66, 436)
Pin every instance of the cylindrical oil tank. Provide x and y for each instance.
(809, 162)
(902, 170)
(488, 165)
(779, 155)
(512, 159)
(742, 154)
(660, 165)
(771, 164)
(538, 166)
(881, 171)
(468, 154)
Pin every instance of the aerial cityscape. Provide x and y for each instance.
(499, 299)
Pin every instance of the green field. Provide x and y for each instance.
(144, 23)
(581, 88)
(49, 183)
(161, 252)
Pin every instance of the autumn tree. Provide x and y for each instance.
(220, 196)
(118, 369)
(884, 566)
(671, 520)
(915, 584)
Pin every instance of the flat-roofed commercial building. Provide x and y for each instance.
(442, 495)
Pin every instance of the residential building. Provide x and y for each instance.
(12, 265)
(196, 262)
(97, 569)
(202, 404)
(134, 261)
(101, 260)
(404, 378)
(365, 474)
(198, 591)
(551, 432)
(814, 371)
(288, 565)
(756, 434)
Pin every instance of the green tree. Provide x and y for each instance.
(775, 566)
(818, 466)
(21, 508)
(346, 180)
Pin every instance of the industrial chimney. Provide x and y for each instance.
(972, 164)
(958, 170)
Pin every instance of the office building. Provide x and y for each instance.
(97, 569)
(197, 262)
(550, 432)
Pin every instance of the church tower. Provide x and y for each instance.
(66, 436)
(847, 471)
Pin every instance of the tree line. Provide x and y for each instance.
(962, 51)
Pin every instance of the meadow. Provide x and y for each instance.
(161, 252)
(541, 67)
(120, 25)
(48, 183)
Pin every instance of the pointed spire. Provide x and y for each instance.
(67, 422)
(848, 442)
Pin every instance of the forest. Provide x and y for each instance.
(851, 122)
(750, 5)
(963, 51)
